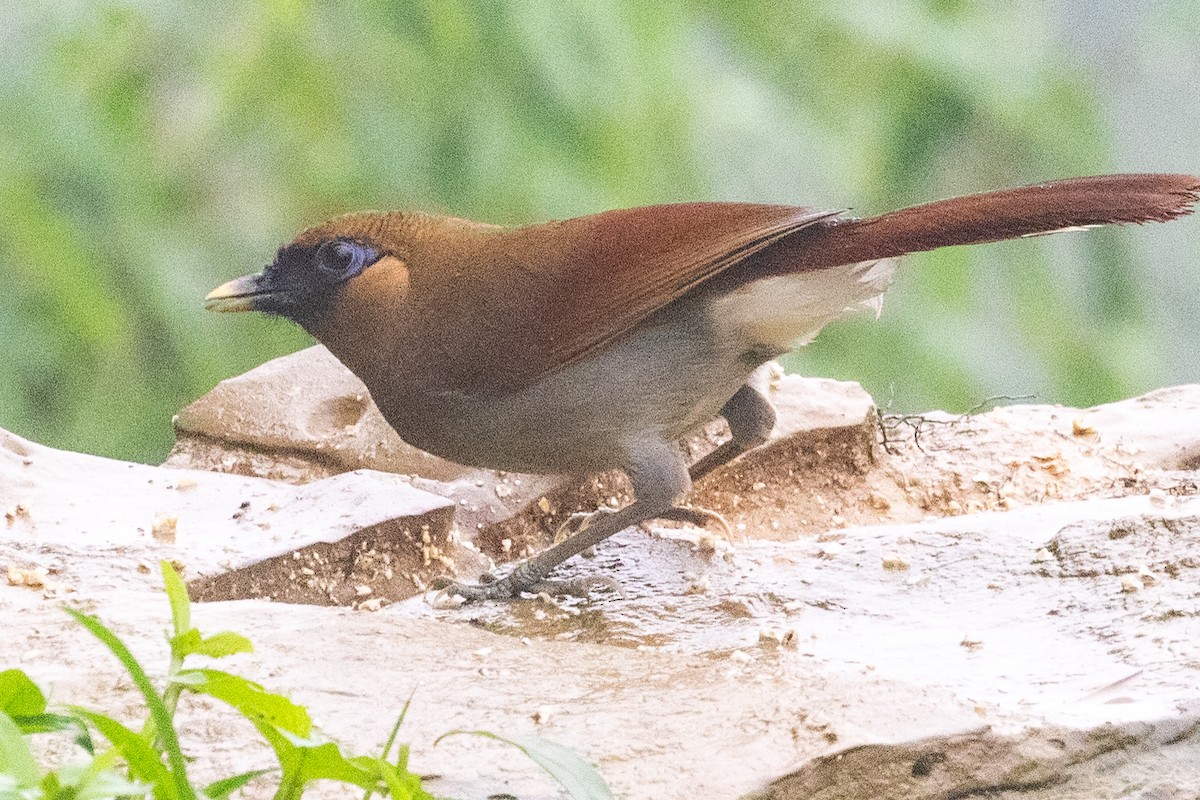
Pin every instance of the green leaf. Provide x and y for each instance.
(563, 764)
(252, 700)
(20, 696)
(51, 786)
(183, 644)
(158, 712)
(15, 758)
(87, 784)
(144, 761)
(10, 789)
(401, 766)
(309, 759)
(402, 763)
(402, 785)
(52, 723)
(225, 643)
(181, 613)
(219, 645)
(219, 790)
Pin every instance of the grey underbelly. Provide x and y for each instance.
(662, 380)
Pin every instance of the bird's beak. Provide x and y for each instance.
(239, 294)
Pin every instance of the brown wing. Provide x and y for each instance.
(498, 308)
(542, 296)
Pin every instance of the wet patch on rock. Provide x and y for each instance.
(978, 606)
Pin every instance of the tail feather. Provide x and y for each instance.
(993, 216)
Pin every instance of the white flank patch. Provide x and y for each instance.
(788, 311)
(1068, 229)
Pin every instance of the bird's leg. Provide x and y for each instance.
(751, 419)
(658, 474)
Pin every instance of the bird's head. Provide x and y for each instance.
(314, 274)
(374, 288)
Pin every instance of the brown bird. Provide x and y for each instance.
(598, 342)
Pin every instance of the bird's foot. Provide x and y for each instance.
(530, 576)
(490, 587)
(512, 586)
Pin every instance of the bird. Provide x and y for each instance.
(596, 343)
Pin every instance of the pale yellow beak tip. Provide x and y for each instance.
(236, 295)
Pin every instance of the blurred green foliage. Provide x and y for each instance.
(150, 150)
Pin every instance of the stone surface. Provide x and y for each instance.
(307, 405)
(937, 606)
(913, 466)
(82, 517)
(1150, 760)
(1025, 615)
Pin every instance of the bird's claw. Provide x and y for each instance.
(507, 588)
(700, 517)
(489, 587)
(528, 577)
(577, 523)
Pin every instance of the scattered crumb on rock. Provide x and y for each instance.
(165, 528)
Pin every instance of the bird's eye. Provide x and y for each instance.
(342, 258)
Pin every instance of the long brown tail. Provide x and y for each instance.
(992, 216)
